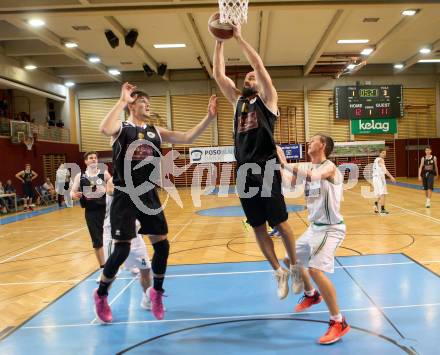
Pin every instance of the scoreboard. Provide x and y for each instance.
(361, 102)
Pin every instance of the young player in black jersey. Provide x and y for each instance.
(90, 187)
(256, 111)
(137, 143)
(26, 176)
(428, 172)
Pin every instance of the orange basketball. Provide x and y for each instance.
(220, 31)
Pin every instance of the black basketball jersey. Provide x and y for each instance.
(428, 165)
(129, 134)
(27, 176)
(87, 199)
(254, 125)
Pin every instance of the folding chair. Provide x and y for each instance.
(44, 199)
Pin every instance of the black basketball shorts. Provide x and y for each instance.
(95, 224)
(428, 181)
(124, 213)
(259, 209)
(28, 190)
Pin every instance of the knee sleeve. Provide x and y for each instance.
(115, 260)
(160, 257)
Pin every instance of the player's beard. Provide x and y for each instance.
(248, 91)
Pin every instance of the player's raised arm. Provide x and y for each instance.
(175, 137)
(111, 124)
(226, 85)
(267, 90)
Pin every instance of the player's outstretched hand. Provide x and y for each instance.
(212, 106)
(393, 179)
(237, 31)
(126, 91)
(420, 178)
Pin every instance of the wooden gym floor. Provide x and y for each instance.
(44, 256)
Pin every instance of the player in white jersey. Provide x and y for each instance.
(316, 248)
(380, 183)
(137, 259)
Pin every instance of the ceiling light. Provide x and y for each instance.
(429, 61)
(367, 51)
(30, 67)
(353, 41)
(69, 84)
(425, 50)
(351, 66)
(170, 45)
(114, 72)
(71, 44)
(398, 66)
(36, 22)
(409, 12)
(94, 59)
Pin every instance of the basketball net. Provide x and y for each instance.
(233, 11)
(28, 142)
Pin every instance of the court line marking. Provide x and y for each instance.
(117, 296)
(436, 220)
(181, 230)
(93, 279)
(41, 245)
(365, 309)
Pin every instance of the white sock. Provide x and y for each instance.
(279, 270)
(309, 293)
(428, 199)
(337, 318)
(293, 266)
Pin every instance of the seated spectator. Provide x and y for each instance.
(49, 189)
(9, 189)
(3, 208)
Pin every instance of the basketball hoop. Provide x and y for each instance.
(28, 142)
(233, 11)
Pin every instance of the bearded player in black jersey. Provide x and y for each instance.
(136, 150)
(258, 166)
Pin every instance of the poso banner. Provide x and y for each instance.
(212, 154)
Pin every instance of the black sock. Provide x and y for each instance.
(375, 203)
(159, 262)
(158, 283)
(383, 208)
(102, 266)
(103, 288)
(111, 267)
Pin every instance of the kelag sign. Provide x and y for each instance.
(374, 126)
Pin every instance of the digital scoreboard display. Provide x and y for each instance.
(361, 102)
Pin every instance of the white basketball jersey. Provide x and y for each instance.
(324, 199)
(108, 203)
(377, 168)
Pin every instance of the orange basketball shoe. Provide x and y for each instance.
(308, 301)
(335, 331)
